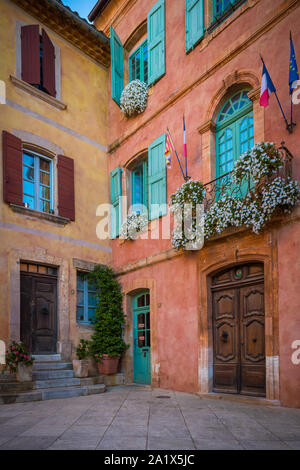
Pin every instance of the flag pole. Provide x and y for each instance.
(292, 124)
(279, 104)
(176, 153)
(184, 145)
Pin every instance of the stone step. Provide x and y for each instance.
(46, 357)
(52, 374)
(92, 380)
(50, 394)
(37, 366)
(6, 387)
(6, 377)
(65, 382)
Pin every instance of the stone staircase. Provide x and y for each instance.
(52, 378)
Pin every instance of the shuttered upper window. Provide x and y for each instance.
(28, 178)
(138, 64)
(37, 182)
(38, 59)
(139, 190)
(147, 63)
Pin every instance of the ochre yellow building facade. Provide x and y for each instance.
(72, 124)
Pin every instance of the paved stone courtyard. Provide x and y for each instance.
(133, 417)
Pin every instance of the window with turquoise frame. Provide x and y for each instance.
(139, 187)
(86, 299)
(138, 63)
(234, 131)
(224, 8)
(37, 181)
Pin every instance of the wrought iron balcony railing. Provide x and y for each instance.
(219, 187)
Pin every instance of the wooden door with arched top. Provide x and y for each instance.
(239, 330)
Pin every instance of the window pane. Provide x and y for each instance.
(141, 301)
(141, 321)
(148, 320)
(145, 63)
(28, 188)
(148, 338)
(80, 298)
(28, 173)
(28, 200)
(141, 339)
(92, 300)
(80, 315)
(45, 192)
(137, 67)
(44, 165)
(28, 159)
(91, 314)
(91, 285)
(80, 280)
(45, 178)
(44, 206)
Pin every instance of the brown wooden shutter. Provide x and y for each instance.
(12, 169)
(48, 64)
(30, 51)
(66, 196)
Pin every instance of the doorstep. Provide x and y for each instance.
(239, 398)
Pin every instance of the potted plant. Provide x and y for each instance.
(107, 343)
(18, 360)
(81, 365)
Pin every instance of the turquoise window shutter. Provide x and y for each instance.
(116, 51)
(156, 41)
(157, 181)
(194, 22)
(116, 207)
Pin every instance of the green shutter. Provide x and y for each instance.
(156, 41)
(116, 53)
(157, 184)
(116, 209)
(194, 22)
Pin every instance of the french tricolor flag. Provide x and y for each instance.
(267, 87)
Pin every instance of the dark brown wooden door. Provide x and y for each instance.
(239, 332)
(38, 313)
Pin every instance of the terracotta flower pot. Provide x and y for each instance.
(81, 368)
(108, 365)
(24, 373)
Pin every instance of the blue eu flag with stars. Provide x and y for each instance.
(293, 71)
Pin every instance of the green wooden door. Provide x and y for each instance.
(141, 338)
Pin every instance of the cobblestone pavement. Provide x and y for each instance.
(134, 417)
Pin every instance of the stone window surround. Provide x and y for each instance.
(83, 266)
(38, 144)
(17, 79)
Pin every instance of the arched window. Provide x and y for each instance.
(234, 131)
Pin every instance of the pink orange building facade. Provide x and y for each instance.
(224, 318)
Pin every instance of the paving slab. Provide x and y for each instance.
(28, 443)
(133, 417)
(167, 443)
(122, 443)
